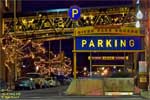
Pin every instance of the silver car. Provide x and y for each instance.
(39, 80)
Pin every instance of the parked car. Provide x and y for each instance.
(67, 80)
(39, 80)
(25, 83)
(3, 86)
(52, 82)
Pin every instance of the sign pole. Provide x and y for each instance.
(74, 14)
(90, 64)
(74, 57)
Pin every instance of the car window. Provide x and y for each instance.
(34, 75)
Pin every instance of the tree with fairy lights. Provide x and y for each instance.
(33, 55)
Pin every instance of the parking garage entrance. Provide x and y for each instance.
(113, 61)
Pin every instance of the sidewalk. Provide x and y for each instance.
(145, 94)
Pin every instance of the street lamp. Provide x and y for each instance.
(139, 15)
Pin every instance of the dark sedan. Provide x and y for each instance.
(24, 83)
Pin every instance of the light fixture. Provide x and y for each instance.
(84, 17)
(138, 2)
(139, 14)
(119, 70)
(85, 69)
(37, 68)
(103, 68)
(87, 21)
(23, 66)
(6, 3)
(40, 15)
(114, 67)
(102, 74)
(105, 71)
(137, 25)
(31, 79)
(3, 48)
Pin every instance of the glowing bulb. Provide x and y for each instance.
(87, 21)
(102, 74)
(23, 66)
(3, 48)
(103, 68)
(119, 70)
(40, 15)
(139, 14)
(37, 68)
(92, 22)
(114, 67)
(137, 24)
(85, 69)
(138, 2)
(31, 79)
(91, 16)
(105, 71)
(84, 17)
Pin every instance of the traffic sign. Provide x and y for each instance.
(74, 12)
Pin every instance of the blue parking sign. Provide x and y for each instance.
(74, 12)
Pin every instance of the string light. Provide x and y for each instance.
(16, 50)
(84, 17)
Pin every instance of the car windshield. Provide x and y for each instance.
(24, 79)
(33, 75)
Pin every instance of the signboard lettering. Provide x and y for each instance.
(109, 43)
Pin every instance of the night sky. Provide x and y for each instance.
(67, 45)
(40, 5)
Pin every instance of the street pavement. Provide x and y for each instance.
(57, 93)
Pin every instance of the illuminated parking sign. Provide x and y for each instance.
(74, 12)
(109, 43)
